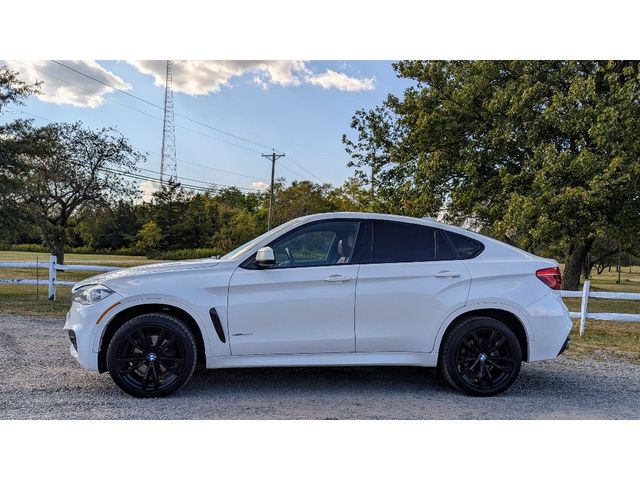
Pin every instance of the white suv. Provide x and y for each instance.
(328, 289)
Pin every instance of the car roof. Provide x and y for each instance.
(383, 216)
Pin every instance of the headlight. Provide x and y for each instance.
(89, 294)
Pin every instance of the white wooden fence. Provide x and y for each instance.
(53, 266)
(586, 294)
(583, 314)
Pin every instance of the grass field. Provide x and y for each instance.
(32, 300)
(601, 338)
(609, 338)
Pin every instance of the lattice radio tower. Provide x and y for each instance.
(168, 165)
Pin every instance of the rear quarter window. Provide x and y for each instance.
(465, 247)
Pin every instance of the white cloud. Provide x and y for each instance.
(341, 81)
(192, 77)
(259, 185)
(202, 77)
(64, 87)
(148, 188)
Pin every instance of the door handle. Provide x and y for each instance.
(446, 274)
(337, 279)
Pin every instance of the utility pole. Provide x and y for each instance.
(273, 157)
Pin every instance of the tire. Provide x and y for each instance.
(481, 356)
(152, 355)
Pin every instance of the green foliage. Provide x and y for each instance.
(536, 153)
(12, 147)
(149, 237)
(67, 169)
(110, 228)
(12, 89)
(304, 198)
(186, 254)
(178, 225)
(61, 184)
(240, 227)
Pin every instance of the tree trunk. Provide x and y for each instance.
(58, 251)
(586, 269)
(55, 239)
(574, 263)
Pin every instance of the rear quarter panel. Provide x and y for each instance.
(503, 277)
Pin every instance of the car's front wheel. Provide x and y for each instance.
(152, 355)
(481, 356)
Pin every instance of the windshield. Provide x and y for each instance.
(251, 244)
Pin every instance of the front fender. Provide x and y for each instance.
(204, 324)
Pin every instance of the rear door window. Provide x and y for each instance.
(465, 247)
(395, 242)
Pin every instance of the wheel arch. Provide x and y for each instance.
(127, 314)
(507, 317)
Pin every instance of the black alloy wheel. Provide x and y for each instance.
(152, 355)
(481, 356)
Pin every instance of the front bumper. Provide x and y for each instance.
(81, 325)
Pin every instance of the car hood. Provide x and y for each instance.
(154, 268)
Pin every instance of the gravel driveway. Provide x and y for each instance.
(39, 380)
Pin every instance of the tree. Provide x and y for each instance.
(298, 199)
(68, 167)
(12, 144)
(12, 89)
(352, 196)
(535, 153)
(149, 237)
(240, 228)
(108, 227)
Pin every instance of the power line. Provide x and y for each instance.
(230, 172)
(291, 170)
(160, 107)
(201, 181)
(305, 169)
(197, 122)
(217, 185)
(145, 113)
(145, 150)
(297, 174)
(140, 176)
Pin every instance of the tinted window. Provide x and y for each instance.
(402, 242)
(325, 243)
(443, 247)
(465, 246)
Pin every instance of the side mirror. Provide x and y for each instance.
(265, 257)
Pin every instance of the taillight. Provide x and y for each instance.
(551, 276)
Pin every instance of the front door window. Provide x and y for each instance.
(320, 244)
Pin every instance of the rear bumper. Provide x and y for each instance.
(564, 346)
(551, 324)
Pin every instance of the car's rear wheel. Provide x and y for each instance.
(152, 355)
(481, 356)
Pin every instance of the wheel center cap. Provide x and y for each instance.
(152, 357)
(482, 357)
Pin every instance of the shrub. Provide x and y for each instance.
(25, 247)
(185, 254)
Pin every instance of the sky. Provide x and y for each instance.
(301, 108)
